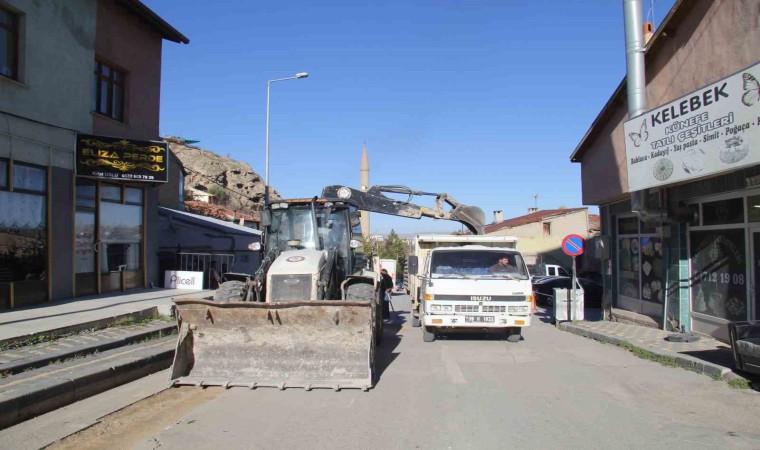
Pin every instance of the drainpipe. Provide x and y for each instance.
(637, 94)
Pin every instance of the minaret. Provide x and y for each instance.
(364, 185)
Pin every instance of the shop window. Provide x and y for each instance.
(109, 91)
(651, 269)
(110, 193)
(86, 194)
(3, 174)
(29, 178)
(640, 261)
(133, 196)
(723, 212)
(628, 260)
(23, 245)
(628, 225)
(753, 208)
(121, 236)
(9, 39)
(718, 273)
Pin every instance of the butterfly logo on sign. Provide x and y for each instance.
(641, 136)
(751, 90)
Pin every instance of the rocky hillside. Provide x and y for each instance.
(235, 184)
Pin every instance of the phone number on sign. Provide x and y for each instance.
(715, 277)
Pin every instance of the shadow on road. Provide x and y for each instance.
(385, 354)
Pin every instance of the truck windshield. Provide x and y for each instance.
(297, 224)
(477, 263)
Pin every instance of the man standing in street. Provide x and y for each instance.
(386, 286)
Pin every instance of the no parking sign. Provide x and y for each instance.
(572, 245)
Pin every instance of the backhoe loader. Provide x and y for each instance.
(310, 316)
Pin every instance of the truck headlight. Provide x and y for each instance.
(517, 309)
(441, 308)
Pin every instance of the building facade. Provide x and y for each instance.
(79, 116)
(688, 259)
(540, 234)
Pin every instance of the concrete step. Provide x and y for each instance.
(35, 392)
(98, 324)
(21, 359)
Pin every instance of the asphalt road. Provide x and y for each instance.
(551, 390)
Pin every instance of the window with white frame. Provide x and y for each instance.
(9, 43)
(640, 261)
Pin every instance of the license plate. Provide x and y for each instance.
(478, 319)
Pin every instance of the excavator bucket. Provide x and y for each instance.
(471, 216)
(307, 344)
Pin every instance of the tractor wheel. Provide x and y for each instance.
(366, 292)
(230, 291)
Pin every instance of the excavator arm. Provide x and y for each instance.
(375, 200)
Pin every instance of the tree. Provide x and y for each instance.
(394, 247)
(220, 193)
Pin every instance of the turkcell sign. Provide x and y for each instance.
(180, 279)
(714, 129)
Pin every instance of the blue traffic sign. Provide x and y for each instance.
(572, 245)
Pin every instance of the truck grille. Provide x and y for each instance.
(290, 288)
(494, 309)
(466, 308)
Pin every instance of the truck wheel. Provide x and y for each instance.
(428, 334)
(416, 323)
(515, 334)
(230, 291)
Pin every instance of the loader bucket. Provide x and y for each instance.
(309, 344)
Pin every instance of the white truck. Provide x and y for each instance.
(453, 285)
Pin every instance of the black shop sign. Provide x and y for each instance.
(109, 158)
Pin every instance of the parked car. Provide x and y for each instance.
(544, 290)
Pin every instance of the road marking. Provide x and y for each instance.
(452, 368)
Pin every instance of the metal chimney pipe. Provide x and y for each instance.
(637, 92)
(634, 58)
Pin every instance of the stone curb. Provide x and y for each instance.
(156, 331)
(685, 361)
(41, 396)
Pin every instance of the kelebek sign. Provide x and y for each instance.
(712, 130)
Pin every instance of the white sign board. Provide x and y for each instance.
(714, 129)
(179, 279)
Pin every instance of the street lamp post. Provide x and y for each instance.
(266, 164)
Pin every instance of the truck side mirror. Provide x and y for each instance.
(411, 264)
(266, 218)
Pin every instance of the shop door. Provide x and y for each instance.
(754, 292)
(719, 279)
(86, 252)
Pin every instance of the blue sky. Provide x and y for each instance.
(482, 99)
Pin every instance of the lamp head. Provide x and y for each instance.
(302, 75)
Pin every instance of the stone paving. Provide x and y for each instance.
(705, 355)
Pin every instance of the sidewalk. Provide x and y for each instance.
(64, 316)
(41, 375)
(706, 355)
